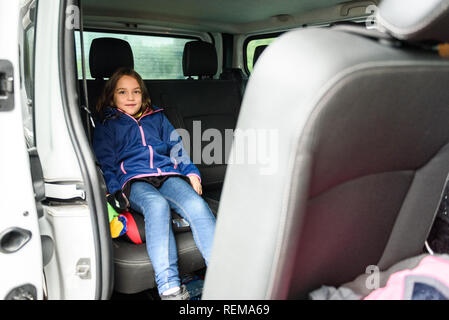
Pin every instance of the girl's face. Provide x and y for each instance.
(128, 95)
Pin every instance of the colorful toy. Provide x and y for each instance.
(117, 222)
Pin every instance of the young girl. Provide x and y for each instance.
(142, 159)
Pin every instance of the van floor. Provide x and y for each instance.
(193, 282)
(150, 294)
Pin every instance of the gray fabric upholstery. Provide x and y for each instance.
(415, 20)
(362, 164)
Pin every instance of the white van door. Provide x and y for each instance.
(21, 261)
(76, 245)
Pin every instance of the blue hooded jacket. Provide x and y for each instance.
(129, 148)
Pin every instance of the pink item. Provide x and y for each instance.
(431, 267)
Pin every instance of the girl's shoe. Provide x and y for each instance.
(181, 294)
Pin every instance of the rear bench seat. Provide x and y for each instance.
(215, 103)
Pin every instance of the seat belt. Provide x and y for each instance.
(89, 119)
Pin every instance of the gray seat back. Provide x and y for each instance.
(363, 156)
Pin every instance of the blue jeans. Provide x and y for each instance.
(155, 205)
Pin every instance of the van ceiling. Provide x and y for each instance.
(221, 15)
(225, 11)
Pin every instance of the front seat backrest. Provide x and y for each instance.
(358, 166)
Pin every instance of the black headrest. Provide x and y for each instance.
(415, 20)
(258, 52)
(199, 59)
(107, 55)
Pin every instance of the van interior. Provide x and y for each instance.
(197, 59)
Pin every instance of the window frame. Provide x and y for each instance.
(329, 24)
(256, 37)
(141, 33)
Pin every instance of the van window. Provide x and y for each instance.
(155, 57)
(251, 47)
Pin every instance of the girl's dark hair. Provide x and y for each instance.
(106, 98)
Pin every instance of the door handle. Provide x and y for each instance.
(6, 85)
(13, 239)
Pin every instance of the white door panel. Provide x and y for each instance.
(59, 160)
(72, 273)
(20, 243)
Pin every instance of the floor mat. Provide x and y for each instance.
(194, 285)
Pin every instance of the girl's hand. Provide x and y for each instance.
(196, 184)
